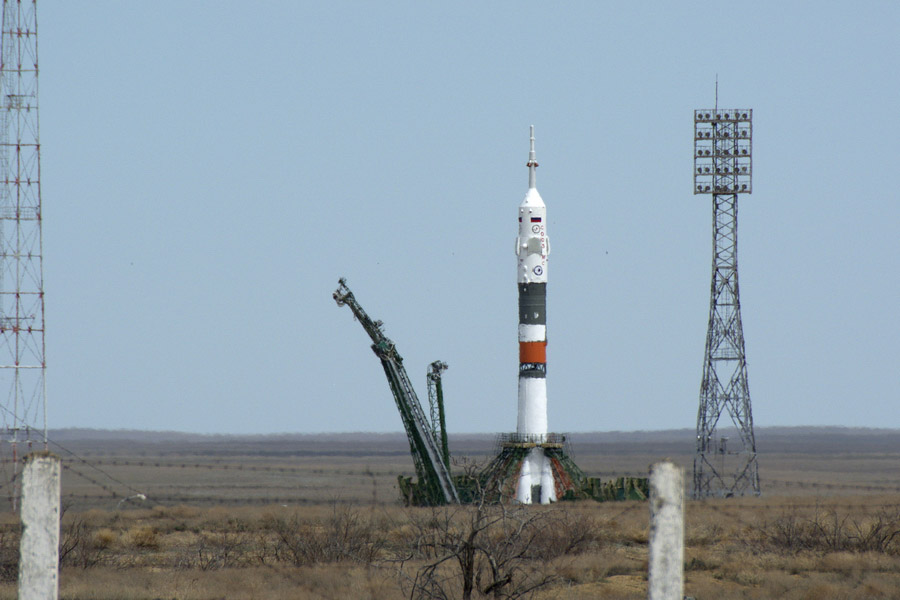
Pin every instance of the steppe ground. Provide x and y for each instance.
(152, 516)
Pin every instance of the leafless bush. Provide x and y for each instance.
(224, 543)
(344, 535)
(81, 545)
(567, 533)
(830, 531)
(484, 550)
(221, 550)
(9, 553)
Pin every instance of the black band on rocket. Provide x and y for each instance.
(533, 303)
(533, 370)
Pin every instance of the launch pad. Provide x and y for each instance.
(501, 480)
(531, 465)
(502, 476)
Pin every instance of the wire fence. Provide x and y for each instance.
(150, 480)
(299, 481)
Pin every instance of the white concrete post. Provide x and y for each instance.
(39, 548)
(666, 577)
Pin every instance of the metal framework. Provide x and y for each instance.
(723, 168)
(22, 361)
(436, 406)
(435, 481)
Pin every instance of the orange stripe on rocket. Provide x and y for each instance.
(532, 352)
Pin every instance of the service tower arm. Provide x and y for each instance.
(436, 404)
(431, 469)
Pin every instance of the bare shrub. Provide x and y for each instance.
(830, 531)
(344, 535)
(221, 550)
(879, 533)
(484, 551)
(566, 533)
(80, 545)
(9, 552)
(223, 543)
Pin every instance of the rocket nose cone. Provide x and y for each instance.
(532, 198)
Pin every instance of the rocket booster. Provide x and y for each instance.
(532, 249)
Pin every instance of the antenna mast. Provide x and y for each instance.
(22, 362)
(723, 168)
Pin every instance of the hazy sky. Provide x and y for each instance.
(209, 170)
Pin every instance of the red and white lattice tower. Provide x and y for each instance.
(22, 362)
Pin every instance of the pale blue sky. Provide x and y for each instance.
(211, 168)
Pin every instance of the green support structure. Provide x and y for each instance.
(499, 477)
(435, 485)
(436, 403)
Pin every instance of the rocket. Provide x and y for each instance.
(532, 250)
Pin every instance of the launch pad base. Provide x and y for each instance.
(497, 482)
(500, 477)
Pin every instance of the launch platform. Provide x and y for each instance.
(501, 478)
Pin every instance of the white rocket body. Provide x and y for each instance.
(532, 250)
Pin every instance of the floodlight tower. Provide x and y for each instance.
(22, 363)
(723, 168)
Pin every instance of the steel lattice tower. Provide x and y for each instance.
(22, 363)
(723, 168)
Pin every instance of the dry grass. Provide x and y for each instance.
(734, 549)
(312, 526)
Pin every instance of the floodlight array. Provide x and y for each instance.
(723, 151)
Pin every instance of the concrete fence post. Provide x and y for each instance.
(666, 577)
(39, 547)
